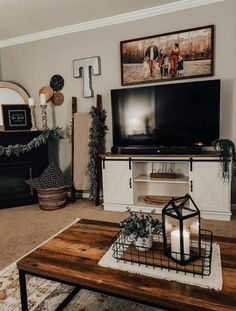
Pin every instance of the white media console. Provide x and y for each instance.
(126, 181)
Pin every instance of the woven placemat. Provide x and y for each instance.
(213, 281)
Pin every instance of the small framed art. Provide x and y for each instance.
(16, 117)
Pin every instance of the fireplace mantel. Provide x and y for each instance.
(15, 169)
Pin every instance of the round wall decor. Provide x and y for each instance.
(57, 83)
(58, 99)
(48, 91)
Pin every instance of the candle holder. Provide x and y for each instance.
(33, 120)
(44, 118)
(181, 230)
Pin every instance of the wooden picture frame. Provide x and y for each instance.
(16, 117)
(175, 55)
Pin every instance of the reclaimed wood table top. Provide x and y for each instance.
(73, 255)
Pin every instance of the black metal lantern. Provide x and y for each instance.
(181, 230)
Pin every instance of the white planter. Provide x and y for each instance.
(130, 238)
(143, 244)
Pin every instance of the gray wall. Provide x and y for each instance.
(33, 64)
(0, 67)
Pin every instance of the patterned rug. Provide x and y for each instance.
(44, 295)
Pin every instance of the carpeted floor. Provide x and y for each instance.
(23, 228)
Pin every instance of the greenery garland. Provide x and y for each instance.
(33, 144)
(227, 152)
(98, 130)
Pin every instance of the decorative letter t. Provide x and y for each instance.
(86, 67)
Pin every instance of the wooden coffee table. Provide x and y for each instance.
(72, 258)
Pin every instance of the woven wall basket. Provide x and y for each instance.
(52, 198)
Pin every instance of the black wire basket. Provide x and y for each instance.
(124, 249)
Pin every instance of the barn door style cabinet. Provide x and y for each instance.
(117, 180)
(127, 183)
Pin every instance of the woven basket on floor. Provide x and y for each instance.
(52, 198)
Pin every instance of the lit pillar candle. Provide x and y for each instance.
(31, 102)
(175, 244)
(42, 99)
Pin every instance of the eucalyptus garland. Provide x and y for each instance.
(227, 152)
(98, 130)
(36, 142)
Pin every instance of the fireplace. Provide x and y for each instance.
(12, 183)
(15, 170)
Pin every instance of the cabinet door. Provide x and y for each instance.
(209, 191)
(117, 182)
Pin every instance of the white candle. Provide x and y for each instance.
(42, 99)
(175, 244)
(31, 102)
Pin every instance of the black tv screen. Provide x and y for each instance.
(171, 115)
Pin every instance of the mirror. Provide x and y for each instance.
(11, 93)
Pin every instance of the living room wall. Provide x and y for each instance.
(0, 68)
(33, 64)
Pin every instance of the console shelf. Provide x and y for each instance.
(126, 181)
(146, 178)
(141, 202)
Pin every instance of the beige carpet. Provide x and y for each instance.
(23, 228)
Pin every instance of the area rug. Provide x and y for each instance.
(213, 281)
(38, 289)
(45, 295)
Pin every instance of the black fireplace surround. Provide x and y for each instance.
(14, 170)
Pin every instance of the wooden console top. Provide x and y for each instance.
(206, 154)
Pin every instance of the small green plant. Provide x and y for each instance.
(140, 225)
(227, 153)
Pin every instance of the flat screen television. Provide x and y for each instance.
(171, 115)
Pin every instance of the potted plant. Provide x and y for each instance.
(227, 153)
(140, 227)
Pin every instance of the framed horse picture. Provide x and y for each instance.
(175, 55)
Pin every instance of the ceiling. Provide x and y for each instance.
(23, 17)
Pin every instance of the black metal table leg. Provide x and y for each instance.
(66, 301)
(23, 291)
